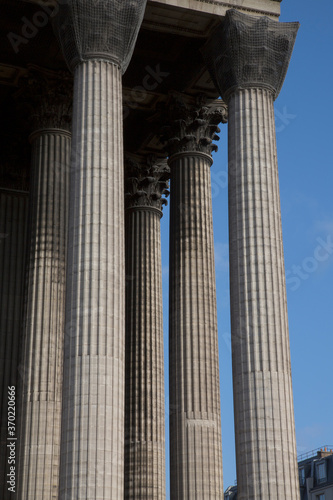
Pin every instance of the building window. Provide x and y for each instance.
(321, 471)
(321, 496)
(301, 472)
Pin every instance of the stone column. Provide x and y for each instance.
(256, 54)
(40, 369)
(13, 229)
(146, 182)
(195, 421)
(97, 39)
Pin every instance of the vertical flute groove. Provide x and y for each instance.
(144, 427)
(92, 440)
(43, 329)
(264, 424)
(195, 434)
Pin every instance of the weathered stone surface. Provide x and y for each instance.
(195, 422)
(97, 39)
(40, 368)
(45, 99)
(146, 183)
(191, 126)
(98, 30)
(249, 52)
(92, 442)
(249, 73)
(264, 417)
(220, 7)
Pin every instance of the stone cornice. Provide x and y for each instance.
(249, 9)
(191, 127)
(146, 183)
(269, 8)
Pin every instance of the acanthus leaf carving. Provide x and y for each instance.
(146, 182)
(191, 127)
(46, 99)
(249, 52)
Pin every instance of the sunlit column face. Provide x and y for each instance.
(248, 59)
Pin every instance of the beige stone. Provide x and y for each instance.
(40, 368)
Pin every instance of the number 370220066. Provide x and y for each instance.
(11, 408)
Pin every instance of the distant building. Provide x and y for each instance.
(315, 470)
(316, 475)
(230, 493)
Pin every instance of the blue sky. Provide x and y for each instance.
(304, 112)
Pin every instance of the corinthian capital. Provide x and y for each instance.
(146, 182)
(46, 98)
(191, 127)
(98, 29)
(247, 51)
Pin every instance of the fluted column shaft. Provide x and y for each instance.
(43, 330)
(13, 229)
(195, 423)
(249, 75)
(264, 418)
(93, 394)
(145, 412)
(146, 183)
(97, 39)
